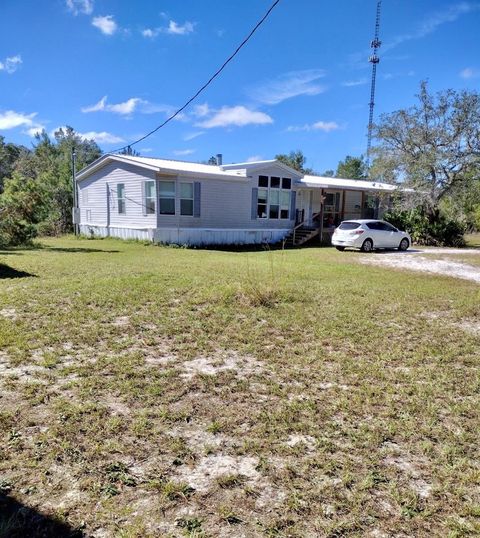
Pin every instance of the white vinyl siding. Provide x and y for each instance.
(221, 203)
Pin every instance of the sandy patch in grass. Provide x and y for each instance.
(121, 321)
(23, 372)
(198, 438)
(9, 313)
(243, 365)
(203, 475)
(306, 440)
(468, 326)
(425, 265)
(409, 467)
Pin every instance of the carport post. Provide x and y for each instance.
(322, 198)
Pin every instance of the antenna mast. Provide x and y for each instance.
(373, 59)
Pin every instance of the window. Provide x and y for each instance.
(349, 225)
(273, 197)
(89, 215)
(186, 199)
(149, 200)
(85, 196)
(167, 197)
(275, 182)
(262, 203)
(121, 198)
(263, 181)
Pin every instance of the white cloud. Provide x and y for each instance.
(173, 28)
(236, 115)
(254, 158)
(430, 24)
(102, 137)
(134, 104)
(201, 110)
(191, 136)
(470, 72)
(96, 107)
(11, 64)
(325, 126)
(184, 152)
(145, 150)
(126, 108)
(11, 119)
(148, 32)
(80, 6)
(358, 82)
(105, 24)
(177, 29)
(36, 129)
(288, 85)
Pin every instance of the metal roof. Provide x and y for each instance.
(236, 171)
(351, 184)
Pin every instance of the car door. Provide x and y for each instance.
(375, 233)
(390, 238)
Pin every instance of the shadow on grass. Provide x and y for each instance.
(80, 250)
(19, 521)
(9, 272)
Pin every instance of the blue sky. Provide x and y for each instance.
(114, 69)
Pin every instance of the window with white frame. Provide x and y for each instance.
(89, 215)
(121, 198)
(167, 197)
(274, 195)
(84, 196)
(149, 200)
(186, 199)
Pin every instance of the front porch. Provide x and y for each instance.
(320, 210)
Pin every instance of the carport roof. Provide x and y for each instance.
(320, 182)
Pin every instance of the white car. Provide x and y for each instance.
(368, 235)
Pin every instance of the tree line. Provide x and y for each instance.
(433, 148)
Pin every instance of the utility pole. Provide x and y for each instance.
(374, 60)
(74, 186)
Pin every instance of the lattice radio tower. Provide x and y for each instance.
(373, 59)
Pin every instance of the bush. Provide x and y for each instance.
(16, 232)
(428, 228)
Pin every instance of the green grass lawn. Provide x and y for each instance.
(473, 240)
(150, 391)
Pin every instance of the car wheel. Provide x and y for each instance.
(404, 244)
(341, 249)
(367, 246)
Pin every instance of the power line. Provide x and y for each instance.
(210, 80)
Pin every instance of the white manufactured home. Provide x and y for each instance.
(188, 203)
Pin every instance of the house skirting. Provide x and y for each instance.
(190, 236)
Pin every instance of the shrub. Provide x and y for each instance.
(428, 228)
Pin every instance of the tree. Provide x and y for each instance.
(9, 154)
(38, 195)
(352, 168)
(434, 145)
(329, 173)
(129, 151)
(296, 160)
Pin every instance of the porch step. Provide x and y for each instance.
(300, 236)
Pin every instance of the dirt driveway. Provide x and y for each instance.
(440, 261)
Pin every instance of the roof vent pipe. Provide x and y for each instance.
(219, 159)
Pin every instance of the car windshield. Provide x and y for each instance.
(349, 225)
